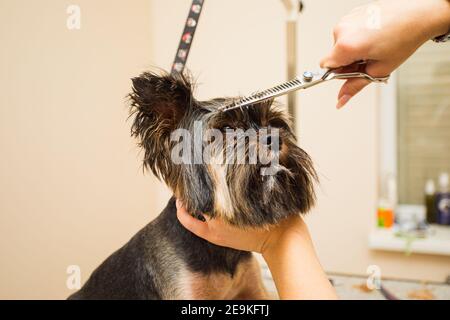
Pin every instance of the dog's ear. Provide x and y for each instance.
(158, 103)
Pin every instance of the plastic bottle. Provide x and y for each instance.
(385, 214)
(442, 200)
(386, 206)
(430, 191)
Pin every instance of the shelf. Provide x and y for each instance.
(437, 242)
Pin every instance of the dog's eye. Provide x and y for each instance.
(226, 128)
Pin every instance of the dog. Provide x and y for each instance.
(166, 261)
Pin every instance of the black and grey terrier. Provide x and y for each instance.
(166, 261)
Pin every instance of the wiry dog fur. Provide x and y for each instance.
(164, 260)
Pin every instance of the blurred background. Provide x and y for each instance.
(72, 189)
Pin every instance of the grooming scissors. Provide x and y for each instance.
(307, 80)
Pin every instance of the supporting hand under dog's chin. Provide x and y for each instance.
(221, 233)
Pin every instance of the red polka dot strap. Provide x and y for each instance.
(187, 36)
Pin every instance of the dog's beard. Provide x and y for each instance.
(259, 200)
(242, 195)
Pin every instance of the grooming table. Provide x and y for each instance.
(349, 287)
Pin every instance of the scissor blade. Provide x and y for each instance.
(282, 89)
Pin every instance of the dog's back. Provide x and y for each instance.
(123, 275)
(136, 270)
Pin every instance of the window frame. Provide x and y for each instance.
(387, 132)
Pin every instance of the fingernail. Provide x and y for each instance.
(343, 101)
(201, 218)
(178, 204)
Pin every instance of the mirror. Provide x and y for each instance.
(423, 121)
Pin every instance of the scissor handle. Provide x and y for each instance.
(344, 73)
(350, 75)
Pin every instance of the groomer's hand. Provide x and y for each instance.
(286, 247)
(223, 234)
(385, 33)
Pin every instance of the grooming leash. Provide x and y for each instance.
(187, 36)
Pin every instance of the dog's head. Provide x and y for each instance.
(242, 165)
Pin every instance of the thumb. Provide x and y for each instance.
(336, 60)
(341, 55)
(338, 57)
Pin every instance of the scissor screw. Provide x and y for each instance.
(308, 76)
